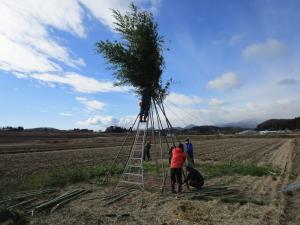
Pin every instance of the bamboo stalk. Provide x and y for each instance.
(116, 195)
(56, 200)
(116, 199)
(22, 203)
(33, 194)
(68, 200)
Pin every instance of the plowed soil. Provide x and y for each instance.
(150, 207)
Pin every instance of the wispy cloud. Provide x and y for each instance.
(225, 81)
(216, 102)
(226, 39)
(91, 105)
(235, 39)
(270, 49)
(288, 81)
(27, 41)
(78, 82)
(65, 114)
(101, 9)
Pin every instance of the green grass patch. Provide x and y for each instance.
(218, 169)
(149, 167)
(68, 175)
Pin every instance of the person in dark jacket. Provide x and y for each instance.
(194, 178)
(145, 105)
(177, 162)
(147, 148)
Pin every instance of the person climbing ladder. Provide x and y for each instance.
(145, 105)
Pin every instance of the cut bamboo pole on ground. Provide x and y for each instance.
(116, 199)
(62, 203)
(60, 200)
(22, 203)
(27, 195)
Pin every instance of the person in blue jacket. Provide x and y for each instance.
(188, 147)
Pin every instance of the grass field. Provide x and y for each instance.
(258, 167)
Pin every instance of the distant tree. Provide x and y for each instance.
(82, 130)
(10, 128)
(137, 59)
(115, 129)
(20, 128)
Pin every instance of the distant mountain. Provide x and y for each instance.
(213, 130)
(178, 128)
(190, 126)
(250, 124)
(207, 130)
(280, 124)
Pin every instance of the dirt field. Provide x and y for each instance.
(25, 156)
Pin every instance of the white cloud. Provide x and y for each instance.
(225, 81)
(126, 121)
(282, 108)
(78, 82)
(183, 100)
(271, 49)
(216, 102)
(91, 105)
(101, 121)
(25, 40)
(101, 9)
(105, 121)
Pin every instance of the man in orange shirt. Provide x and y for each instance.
(177, 162)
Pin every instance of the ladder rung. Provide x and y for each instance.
(131, 182)
(136, 158)
(133, 174)
(135, 166)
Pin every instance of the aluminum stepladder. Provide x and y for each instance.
(133, 174)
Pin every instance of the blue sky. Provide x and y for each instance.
(230, 61)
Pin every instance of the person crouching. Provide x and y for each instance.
(194, 178)
(177, 162)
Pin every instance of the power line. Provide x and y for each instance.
(179, 119)
(186, 112)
